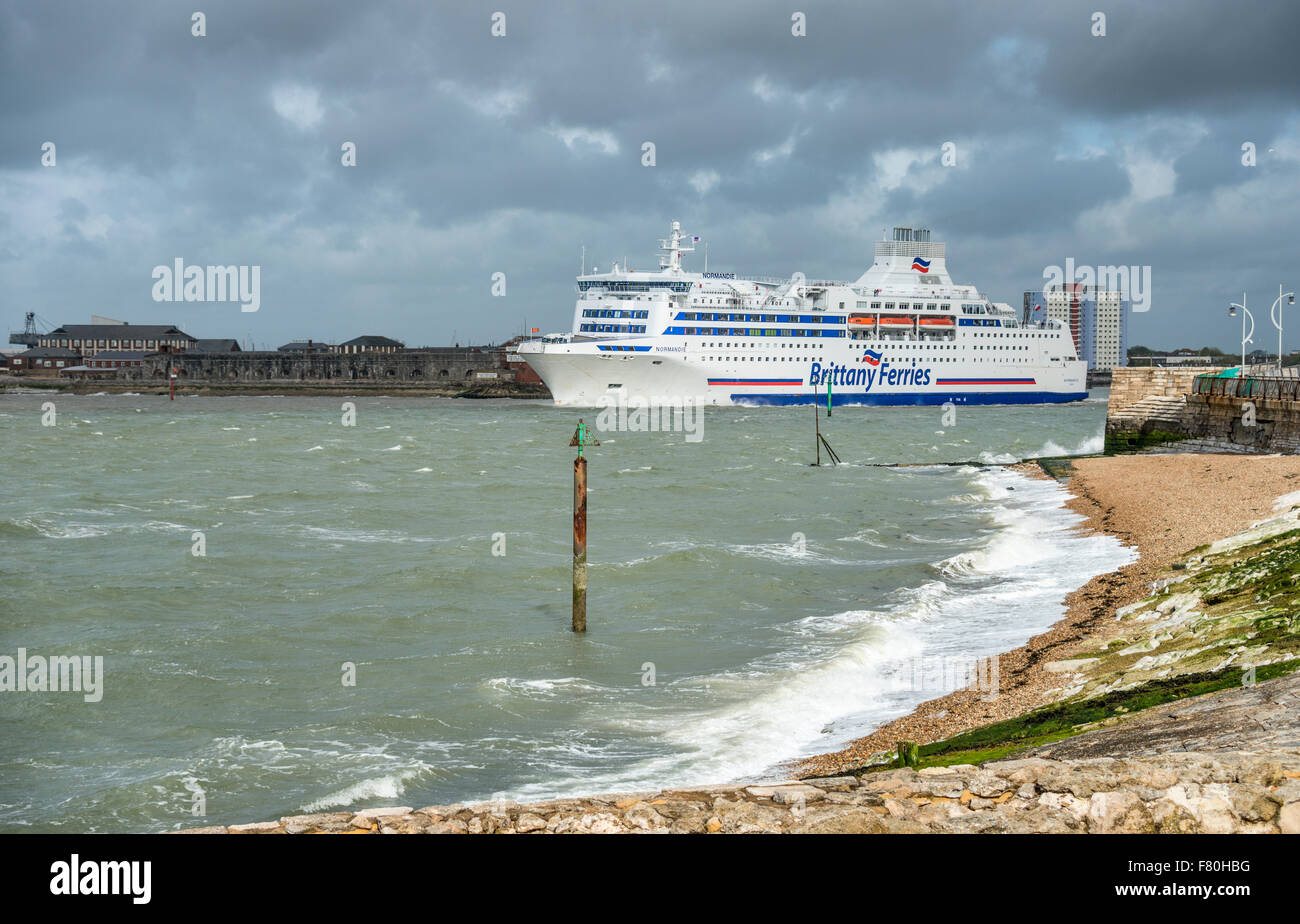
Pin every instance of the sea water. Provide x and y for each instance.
(296, 615)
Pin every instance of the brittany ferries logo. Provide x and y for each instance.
(921, 266)
(879, 373)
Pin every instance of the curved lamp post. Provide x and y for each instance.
(1276, 315)
(1245, 337)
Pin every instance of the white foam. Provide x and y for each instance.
(387, 788)
(853, 670)
(1088, 446)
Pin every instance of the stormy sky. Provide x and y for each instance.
(478, 154)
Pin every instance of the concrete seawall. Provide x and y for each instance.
(1160, 407)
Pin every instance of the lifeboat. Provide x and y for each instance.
(867, 320)
(937, 322)
(895, 321)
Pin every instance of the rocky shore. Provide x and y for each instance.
(1167, 700)
(1164, 507)
(1253, 786)
(1182, 793)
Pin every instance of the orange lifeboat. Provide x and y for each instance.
(866, 320)
(937, 322)
(895, 320)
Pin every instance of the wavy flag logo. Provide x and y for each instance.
(872, 358)
(921, 266)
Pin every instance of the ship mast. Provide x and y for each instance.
(671, 258)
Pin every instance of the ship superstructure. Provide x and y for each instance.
(902, 333)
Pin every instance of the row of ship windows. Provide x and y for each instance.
(760, 318)
(787, 332)
(646, 286)
(613, 313)
(755, 332)
(751, 332)
(612, 328)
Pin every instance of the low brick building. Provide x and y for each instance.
(43, 359)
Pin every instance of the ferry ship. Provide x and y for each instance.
(902, 334)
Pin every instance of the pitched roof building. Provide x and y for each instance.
(43, 358)
(221, 345)
(89, 339)
(370, 343)
(302, 346)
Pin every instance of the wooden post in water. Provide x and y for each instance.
(172, 391)
(580, 439)
(579, 544)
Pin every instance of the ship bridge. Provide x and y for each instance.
(910, 259)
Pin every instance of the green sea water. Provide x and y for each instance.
(745, 607)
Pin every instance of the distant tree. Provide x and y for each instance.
(1141, 351)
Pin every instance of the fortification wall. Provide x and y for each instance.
(432, 366)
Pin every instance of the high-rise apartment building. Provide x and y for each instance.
(1096, 317)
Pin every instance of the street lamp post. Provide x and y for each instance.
(1275, 313)
(1245, 337)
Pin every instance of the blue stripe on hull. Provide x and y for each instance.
(917, 398)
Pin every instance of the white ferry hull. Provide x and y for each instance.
(578, 376)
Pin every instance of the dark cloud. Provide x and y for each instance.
(479, 154)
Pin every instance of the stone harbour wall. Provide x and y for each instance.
(1223, 421)
(1155, 408)
(1129, 385)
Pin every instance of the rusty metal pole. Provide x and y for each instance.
(580, 439)
(172, 392)
(579, 544)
